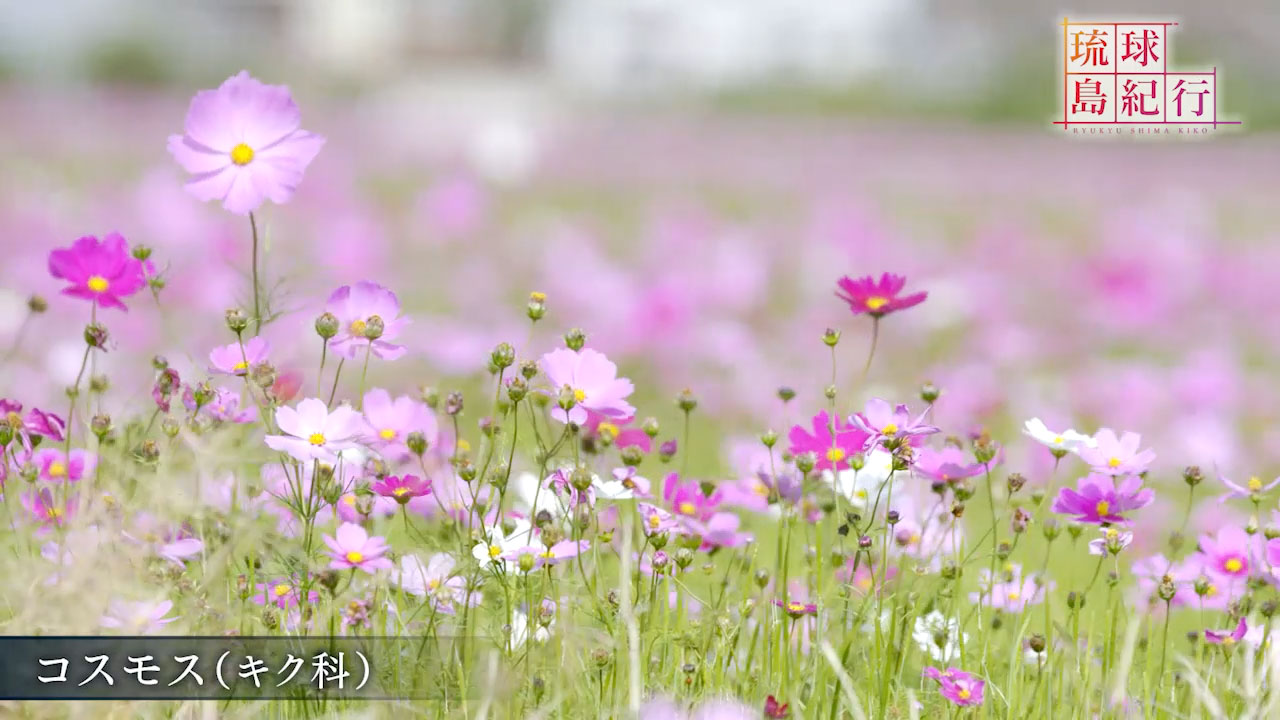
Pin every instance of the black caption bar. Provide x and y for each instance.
(223, 668)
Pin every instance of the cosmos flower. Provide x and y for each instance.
(1099, 499)
(861, 486)
(961, 688)
(654, 520)
(1252, 488)
(435, 580)
(175, 545)
(592, 381)
(390, 422)
(284, 593)
(56, 466)
(1117, 456)
(402, 488)
(1227, 637)
(46, 510)
(44, 424)
(625, 485)
(137, 618)
(224, 407)
(242, 144)
(1229, 553)
(353, 548)
(1011, 594)
(356, 306)
(101, 271)
(686, 498)
(1059, 443)
(498, 544)
(949, 464)
(234, 360)
(831, 453)
(1111, 542)
(883, 422)
(552, 555)
(314, 433)
(796, 608)
(877, 299)
(542, 622)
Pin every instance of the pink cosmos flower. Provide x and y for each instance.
(284, 593)
(55, 466)
(99, 271)
(1117, 456)
(686, 499)
(1012, 595)
(354, 305)
(225, 407)
(46, 510)
(553, 555)
(1252, 488)
(830, 453)
(175, 545)
(882, 421)
(1227, 637)
(877, 299)
(962, 688)
(389, 423)
(242, 144)
(950, 464)
(314, 433)
(45, 424)
(435, 580)
(622, 436)
(655, 520)
(403, 488)
(1229, 553)
(593, 381)
(232, 360)
(168, 382)
(353, 548)
(1098, 499)
(797, 608)
(625, 485)
(137, 618)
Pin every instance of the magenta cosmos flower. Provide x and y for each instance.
(949, 464)
(593, 382)
(242, 144)
(882, 421)
(403, 488)
(236, 360)
(1227, 637)
(1228, 554)
(102, 272)
(830, 452)
(1099, 499)
(1117, 456)
(877, 299)
(354, 306)
(56, 466)
(389, 423)
(962, 688)
(314, 433)
(46, 510)
(353, 548)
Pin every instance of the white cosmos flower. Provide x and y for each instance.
(520, 630)
(498, 543)
(624, 485)
(1066, 441)
(862, 486)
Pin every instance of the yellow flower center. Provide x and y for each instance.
(876, 302)
(654, 521)
(433, 584)
(1228, 640)
(761, 489)
(14, 420)
(578, 395)
(1212, 590)
(281, 590)
(316, 439)
(494, 551)
(890, 429)
(795, 607)
(53, 513)
(358, 327)
(963, 694)
(241, 154)
(1255, 484)
(1057, 440)
(355, 557)
(835, 454)
(1014, 596)
(538, 296)
(686, 508)
(605, 428)
(98, 284)
(1233, 565)
(463, 446)
(240, 366)
(400, 491)
(1112, 533)
(1103, 508)
(57, 468)
(349, 499)
(387, 434)
(547, 553)
(1114, 462)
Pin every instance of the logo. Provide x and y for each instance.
(1116, 80)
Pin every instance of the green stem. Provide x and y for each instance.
(257, 304)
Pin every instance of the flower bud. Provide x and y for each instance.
(831, 337)
(416, 442)
(29, 472)
(659, 561)
(786, 394)
(1202, 586)
(650, 427)
(761, 578)
(575, 339)
(453, 403)
(829, 392)
(1036, 643)
(929, 393)
(684, 558)
(95, 335)
(99, 384)
(537, 307)
(517, 389)
(526, 562)
(1015, 482)
(631, 455)
(1074, 530)
(769, 438)
(148, 452)
(805, 462)
(864, 542)
(326, 325)
(37, 304)
(374, 327)
(686, 401)
(580, 479)
(100, 425)
(466, 469)
(503, 356)
(893, 517)
(237, 321)
(140, 252)
(263, 374)
(667, 450)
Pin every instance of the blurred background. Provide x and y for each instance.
(686, 181)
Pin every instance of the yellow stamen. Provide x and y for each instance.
(654, 521)
(579, 395)
(876, 302)
(355, 557)
(1102, 508)
(240, 366)
(316, 439)
(98, 284)
(1114, 462)
(57, 469)
(349, 499)
(1212, 590)
(538, 296)
(358, 327)
(963, 694)
(1057, 440)
(387, 434)
(400, 491)
(835, 455)
(1233, 565)
(605, 428)
(494, 551)
(1255, 484)
(53, 513)
(890, 429)
(281, 590)
(463, 446)
(433, 584)
(242, 154)
(795, 607)
(1014, 596)
(686, 508)
(761, 489)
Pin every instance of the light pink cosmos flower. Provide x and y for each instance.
(1227, 637)
(232, 360)
(389, 423)
(137, 618)
(882, 421)
(243, 145)
(553, 555)
(1230, 553)
(55, 466)
(353, 548)
(434, 580)
(46, 510)
(314, 433)
(284, 593)
(1011, 595)
(354, 305)
(1117, 456)
(1252, 488)
(593, 381)
(1111, 542)
(99, 271)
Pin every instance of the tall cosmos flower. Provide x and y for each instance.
(949, 464)
(593, 381)
(314, 433)
(1099, 499)
(351, 548)
(236, 360)
(243, 145)
(101, 271)
(56, 466)
(961, 688)
(1230, 552)
(1117, 456)
(877, 299)
(831, 452)
(882, 421)
(1059, 443)
(355, 306)
(389, 423)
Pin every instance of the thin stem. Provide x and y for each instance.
(257, 305)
